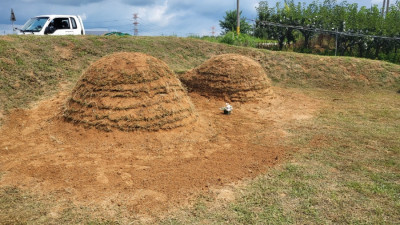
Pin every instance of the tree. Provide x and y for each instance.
(359, 27)
(230, 20)
(277, 15)
(264, 13)
(308, 17)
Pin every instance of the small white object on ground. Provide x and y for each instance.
(228, 107)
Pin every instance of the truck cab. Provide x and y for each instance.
(53, 25)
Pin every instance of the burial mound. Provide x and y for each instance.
(229, 76)
(129, 92)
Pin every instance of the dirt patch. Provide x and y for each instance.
(145, 172)
(7, 61)
(232, 77)
(130, 91)
(64, 52)
(7, 38)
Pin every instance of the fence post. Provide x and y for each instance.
(336, 42)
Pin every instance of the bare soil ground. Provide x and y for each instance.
(146, 172)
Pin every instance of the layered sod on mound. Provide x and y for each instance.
(229, 76)
(129, 91)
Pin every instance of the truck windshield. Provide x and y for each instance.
(34, 24)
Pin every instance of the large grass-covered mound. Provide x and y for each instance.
(129, 91)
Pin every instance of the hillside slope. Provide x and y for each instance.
(32, 67)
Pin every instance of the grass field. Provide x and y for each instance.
(345, 171)
(344, 166)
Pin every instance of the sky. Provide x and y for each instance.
(156, 17)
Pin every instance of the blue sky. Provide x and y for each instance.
(156, 17)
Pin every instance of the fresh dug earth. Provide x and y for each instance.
(231, 77)
(129, 91)
(71, 147)
(146, 172)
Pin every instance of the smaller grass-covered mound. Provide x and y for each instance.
(129, 91)
(229, 76)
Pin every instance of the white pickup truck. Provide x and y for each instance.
(53, 25)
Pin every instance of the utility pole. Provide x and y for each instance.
(386, 3)
(238, 18)
(135, 24)
(387, 7)
(213, 31)
(13, 19)
(383, 7)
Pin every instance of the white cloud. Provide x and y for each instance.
(83, 16)
(157, 14)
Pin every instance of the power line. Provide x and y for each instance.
(107, 21)
(147, 24)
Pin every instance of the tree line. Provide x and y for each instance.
(345, 18)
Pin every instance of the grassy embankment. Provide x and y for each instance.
(32, 67)
(347, 165)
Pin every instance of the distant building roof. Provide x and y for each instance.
(96, 32)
